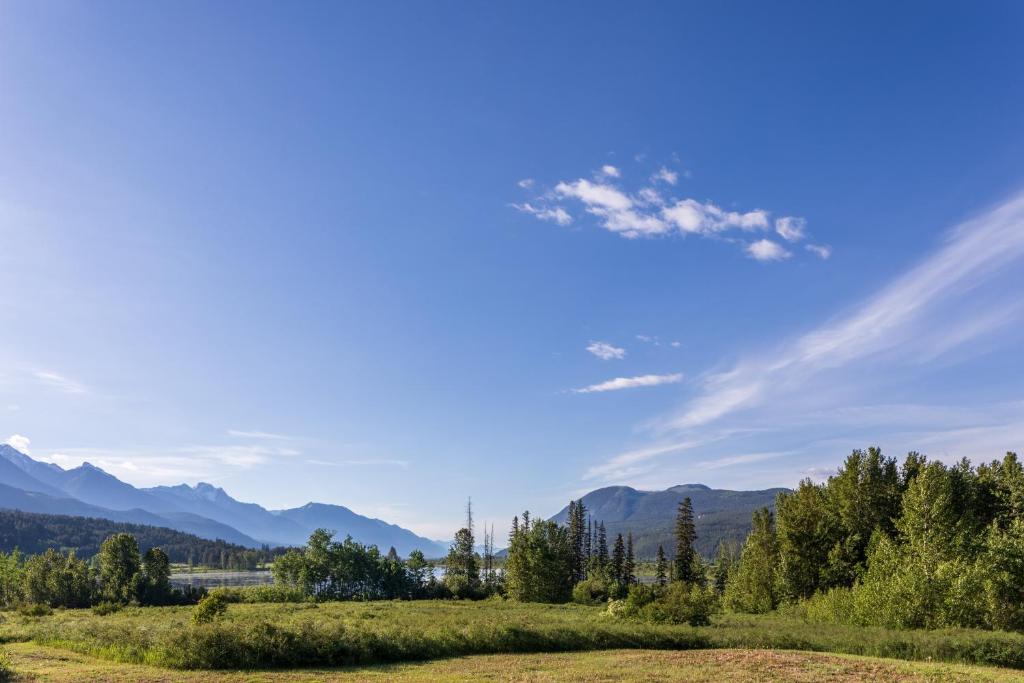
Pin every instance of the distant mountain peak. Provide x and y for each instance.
(690, 487)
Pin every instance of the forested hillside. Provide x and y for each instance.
(720, 515)
(34, 533)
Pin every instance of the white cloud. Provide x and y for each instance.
(60, 382)
(525, 183)
(606, 351)
(647, 212)
(404, 464)
(630, 383)
(595, 195)
(554, 214)
(257, 435)
(691, 216)
(791, 228)
(666, 176)
(766, 250)
(822, 251)
(19, 443)
(900, 321)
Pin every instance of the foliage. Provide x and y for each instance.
(593, 590)
(34, 533)
(686, 538)
(209, 609)
(754, 586)
(539, 567)
(102, 609)
(347, 570)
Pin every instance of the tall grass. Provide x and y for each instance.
(334, 634)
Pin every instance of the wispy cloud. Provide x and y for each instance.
(606, 351)
(610, 171)
(258, 435)
(801, 395)
(665, 175)
(631, 383)
(791, 228)
(60, 382)
(369, 462)
(555, 214)
(895, 320)
(822, 251)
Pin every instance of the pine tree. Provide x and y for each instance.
(587, 545)
(629, 568)
(619, 561)
(576, 540)
(462, 573)
(602, 546)
(686, 536)
(661, 567)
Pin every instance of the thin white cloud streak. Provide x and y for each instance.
(733, 460)
(361, 463)
(258, 435)
(665, 175)
(822, 251)
(611, 171)
(791, 228)
(890, 321)
(631, 383)
(59, 382)
(150, 466)
(606, 351)
(553, 214)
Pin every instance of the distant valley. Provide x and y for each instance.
(203, 510)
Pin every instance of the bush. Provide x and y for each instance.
(104, 608)
(35, 609)
(260, 594)
(591, 591)
(679, 603)
(209, 609)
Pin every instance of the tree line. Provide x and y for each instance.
(118, 574)
(917, 545)
(33, 533)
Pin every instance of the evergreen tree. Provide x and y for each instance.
(686, 537)
(157, 568)
(602, 546)
(462, 573)
(629, 567)
(576, 516)
(661, 567)
(539, 564)
(619, 561)
(725, 562)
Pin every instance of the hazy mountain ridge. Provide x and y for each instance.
(721, 515)
(204, 510)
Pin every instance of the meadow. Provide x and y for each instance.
(340, 634)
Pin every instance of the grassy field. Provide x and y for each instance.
(265, 636)
(45, 664)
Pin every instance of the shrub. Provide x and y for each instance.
(684, 604)
(35, 609)
(260, 594)
(591, 591)
(104, 608)
(209, 609)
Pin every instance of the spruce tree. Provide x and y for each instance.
(619, 561)
(602, 546)
(629, 568)
(686, 536)
(661, 567)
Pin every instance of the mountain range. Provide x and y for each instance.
(719, 515)
(204, 510)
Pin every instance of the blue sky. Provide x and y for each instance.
(390, 255)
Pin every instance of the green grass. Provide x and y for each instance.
(264, 636)
(44, 664)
